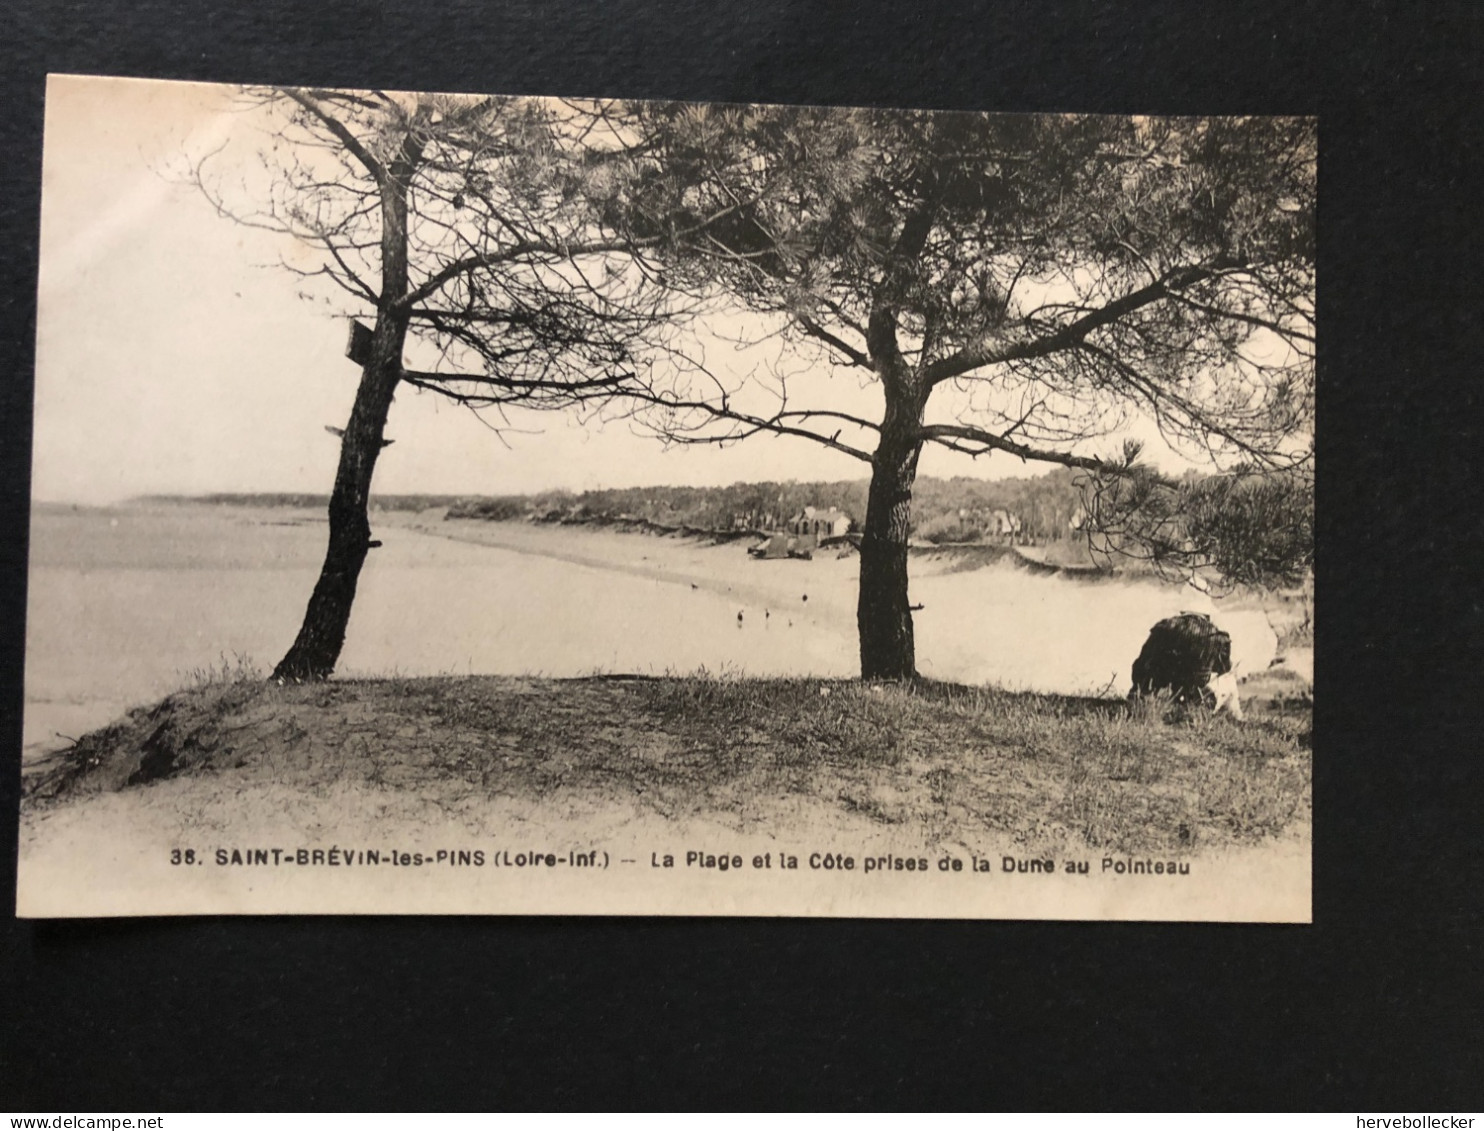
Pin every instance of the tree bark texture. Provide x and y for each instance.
(316, 650)
(883, 612)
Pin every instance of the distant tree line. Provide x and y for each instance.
(943, 510)
(1245, 528)
(1250, 529)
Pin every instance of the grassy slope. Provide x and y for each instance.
(939, 762)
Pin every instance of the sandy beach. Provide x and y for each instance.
(994, 624)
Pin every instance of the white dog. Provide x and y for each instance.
(1224, 687)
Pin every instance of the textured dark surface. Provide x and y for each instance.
(1374, 1006)
(1180, 655)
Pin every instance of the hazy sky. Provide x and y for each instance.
(174, 357)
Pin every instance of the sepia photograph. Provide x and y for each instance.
(489, 504)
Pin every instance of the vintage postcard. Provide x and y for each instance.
(478, 504)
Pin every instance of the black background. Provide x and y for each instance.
(1377, 1005)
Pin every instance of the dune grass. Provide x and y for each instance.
(937, 762)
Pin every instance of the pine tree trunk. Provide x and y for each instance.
(316, 650)
(883, 613)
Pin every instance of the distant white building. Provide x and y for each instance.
(822, 522)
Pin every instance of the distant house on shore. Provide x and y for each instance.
(821, 522)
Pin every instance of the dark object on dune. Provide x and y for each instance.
(1183, 654)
